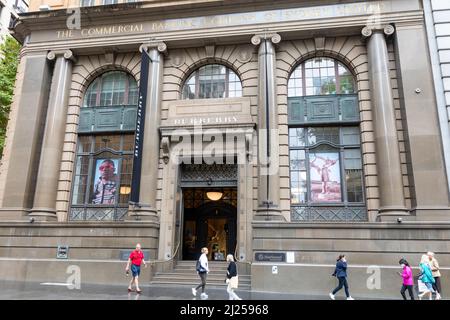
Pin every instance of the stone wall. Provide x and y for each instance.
(367, 246)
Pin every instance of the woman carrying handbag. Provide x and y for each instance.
(232, 278)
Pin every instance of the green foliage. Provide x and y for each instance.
(9, 59)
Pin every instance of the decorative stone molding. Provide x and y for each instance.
(273, 37)
(248, 146)
(177, 58)
(110, 57)
(165, 146)
(67, 54)
(245, 54)
(320, 43)
(161, 46)
(210, 51)
(387, 30)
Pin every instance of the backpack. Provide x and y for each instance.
(198, 266)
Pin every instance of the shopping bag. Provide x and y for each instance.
(421, 286)
(234, 282)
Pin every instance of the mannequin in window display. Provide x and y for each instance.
(105, 187)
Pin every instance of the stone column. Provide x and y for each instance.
(146, 209)
(20, 169)
(392, 200)
(44, 206)
(268, 145)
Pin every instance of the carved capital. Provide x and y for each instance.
(273, 37)
(67, 54)
(387, 29)
(159, 45)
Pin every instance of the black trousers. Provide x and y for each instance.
(342, 283)
(203, 279)
(410, 290)
(437, 284)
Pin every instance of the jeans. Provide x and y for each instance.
(203, 279)
(342, 283)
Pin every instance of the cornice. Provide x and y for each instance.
(168, 37)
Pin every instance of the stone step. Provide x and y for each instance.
(211, 263)
(194, 276)
(188, 286)
(184, 274)
(192, 269)
(195, 283)
(211, 273)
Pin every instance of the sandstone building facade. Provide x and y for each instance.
(285, 133)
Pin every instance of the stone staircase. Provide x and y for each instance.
(184, 274)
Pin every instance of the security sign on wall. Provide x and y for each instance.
(62, 252)
(274, 269)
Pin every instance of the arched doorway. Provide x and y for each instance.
(211, 224)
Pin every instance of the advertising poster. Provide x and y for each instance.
(105, 181)
(325, 177)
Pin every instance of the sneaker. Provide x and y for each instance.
(204, 296)
(350, 298)
(438, 296)
(332, 296)
(194, 292)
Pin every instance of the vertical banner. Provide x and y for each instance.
(140, 122)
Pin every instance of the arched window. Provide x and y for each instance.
(324, 143)
(320, 76)
(104, 158)
(112, 89)
(212, 81)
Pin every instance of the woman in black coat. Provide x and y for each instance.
(341, 273)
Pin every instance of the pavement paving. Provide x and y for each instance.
(54, 291)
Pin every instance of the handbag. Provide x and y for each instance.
(234, 282)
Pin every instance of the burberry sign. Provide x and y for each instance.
(204, 120)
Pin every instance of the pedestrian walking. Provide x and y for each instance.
(202, 270)
(135, 260)
(426, 276)
(232, 278)
(408, 281)
(341, 273)
(434, 264)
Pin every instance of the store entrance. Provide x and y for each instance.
(209, 221)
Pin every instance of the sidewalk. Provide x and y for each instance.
(59, 291)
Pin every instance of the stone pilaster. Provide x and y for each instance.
(268, 146)
(44, 205)
(427, 167)
(146, 208)
(392, 200)
(24, 143)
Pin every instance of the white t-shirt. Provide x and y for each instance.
(204, 262)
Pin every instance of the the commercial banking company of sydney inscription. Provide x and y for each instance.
(228, 20)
